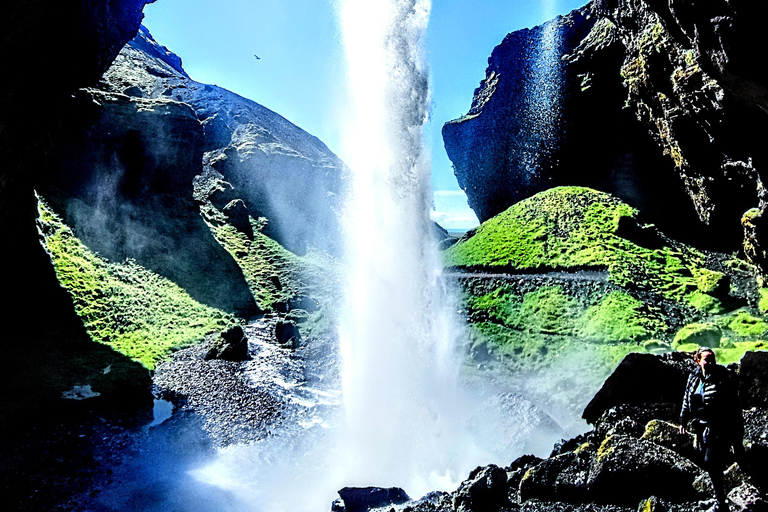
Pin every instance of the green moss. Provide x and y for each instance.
(575, 227)
(270, 270)
(699, 334)
(133, 310)
(707, 280)
(727, 355)
(617, 318)
(656, 346)
(605, 448)
(746, 325)
(704, 302)
(762, 304)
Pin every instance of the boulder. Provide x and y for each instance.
(287, 333)
(362, 499)
(230, 345)
(747, 498)
(485, 490)
(753, 380)
(626, 470)
(700, 334)
(668, 435)
(640, 379)
(560, 478)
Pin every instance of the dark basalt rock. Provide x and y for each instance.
(640, 379)
(658, 103)
(485, 489)
(362, 499)
(753, 380)
(230, 345)
(287, 333)
(35, 90)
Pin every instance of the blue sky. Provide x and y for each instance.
(300, 70)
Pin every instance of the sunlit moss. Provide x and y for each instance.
(133, 310)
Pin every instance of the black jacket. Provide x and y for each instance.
(720, 408)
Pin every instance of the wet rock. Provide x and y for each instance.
(668, 435)
(753, 377)
(486, 490)
(560, 478)
(639, 379)
(631, 420)
(747, 498)
(287, 333)
(626, 470)
(362, 499)
(230, 345)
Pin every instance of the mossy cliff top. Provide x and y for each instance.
(575, 228)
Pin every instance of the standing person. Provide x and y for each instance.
(712, 406)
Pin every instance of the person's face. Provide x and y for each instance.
(706, 361)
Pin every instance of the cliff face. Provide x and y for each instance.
(44, 331)
(658, 103)
(277, 169)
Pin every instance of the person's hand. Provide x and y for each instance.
(682, 429)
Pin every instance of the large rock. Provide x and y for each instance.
(278, 170)
(229, 345)
(753, 380)
(626, 470)
(84, 37)
(641, 379)
(362, 499)
(665, 103)
(561, 478)
(486, 490)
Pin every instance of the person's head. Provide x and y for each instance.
(705, 358)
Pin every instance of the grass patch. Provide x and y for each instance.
(133, 310)
(576, 227)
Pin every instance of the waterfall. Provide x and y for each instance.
(397, 339)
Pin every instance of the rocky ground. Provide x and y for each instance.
(104, 463)
(634, 458)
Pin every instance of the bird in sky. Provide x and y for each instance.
(257, 57)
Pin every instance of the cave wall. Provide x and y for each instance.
(45, 345)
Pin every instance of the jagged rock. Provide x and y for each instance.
(560, 478)
(238, 216)
(279, 171)
(668, 435)
(552, 506)
(230, 345)
(362, 499)
(287, 333)
(626, 470)
(747, 498)
(486, 490)
(671, 92)
(753, 380)
(639, 379)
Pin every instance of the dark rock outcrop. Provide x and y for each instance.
(31, 113)
(641, 379)
(753, 380)
(230, 345)
(278, 170)
(634, 459)
(659, 103)
(362, 499)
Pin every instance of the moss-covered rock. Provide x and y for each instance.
(698, 334)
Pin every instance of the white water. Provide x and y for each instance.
(405, 420)
(403, 412)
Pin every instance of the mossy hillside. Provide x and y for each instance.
(133, 310)
(576, 227)
(613, 317)
(276, 275)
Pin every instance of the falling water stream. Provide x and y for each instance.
(403, 419)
